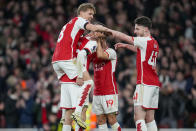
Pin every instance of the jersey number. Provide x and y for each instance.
(152, 59)
(109, 102)
(61, 34)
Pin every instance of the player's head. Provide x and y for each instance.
(86, 11)
(142, 26)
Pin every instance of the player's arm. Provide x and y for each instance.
(127, 46)
(81, 62)
(92, 27)
(122, 36)
(101, 54)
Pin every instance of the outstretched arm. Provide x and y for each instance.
(100, 28)
(128, 46)
(122, 36)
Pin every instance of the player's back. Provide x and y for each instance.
(147, 54)
(68, 39)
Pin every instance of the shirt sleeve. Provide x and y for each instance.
(91, 46)
(140, 41)
(81, 23)
(111, 53)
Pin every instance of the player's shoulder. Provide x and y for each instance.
(111, 51)
(142, 38)
(92, 42)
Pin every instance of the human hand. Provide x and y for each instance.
(120, 45)
(79, 81)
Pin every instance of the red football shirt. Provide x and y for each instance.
(104, 74)
(147, 52)
(68, 39)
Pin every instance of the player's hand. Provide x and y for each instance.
(79, 81)
(120, 45)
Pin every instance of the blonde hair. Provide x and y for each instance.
(85, 7)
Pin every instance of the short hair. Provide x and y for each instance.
(85, 7)
(144, 21)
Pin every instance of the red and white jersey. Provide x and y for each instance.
(104, 74)
(90, 45)
(68, 39)
(86, 43)
(147, 52)
(83, 43)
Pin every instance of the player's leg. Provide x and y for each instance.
(139, 112)
(151, 103)
(83, 98)
(66, 104)
(150, 121)
(97, 108)
(63, 116)
(85, 90)
(83, 116)
(68, 121)
(113, 121)
(139, 117)
(110, 106)
(101, 121)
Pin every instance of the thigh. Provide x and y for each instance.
(96, 105)
(69, 95)
(69, 68)
(146, 96)
(58, 70)
(151, 97)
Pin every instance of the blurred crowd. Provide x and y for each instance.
(29, 89)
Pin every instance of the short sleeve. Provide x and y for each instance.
(111, 53)
(91, 46)
(81, 23)
(140, 41)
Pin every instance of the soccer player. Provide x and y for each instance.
(86, 46)
(105, 97)
(64, 56)
(147, 88)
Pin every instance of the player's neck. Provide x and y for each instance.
(81, 16)
(147, 34)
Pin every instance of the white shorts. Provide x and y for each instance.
(66, 67)
(105, 104)
(146, 96)
(69, 95)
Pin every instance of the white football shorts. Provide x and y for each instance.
(105, 104)
(66, 67)
(146, 96)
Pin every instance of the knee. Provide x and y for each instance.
(149, 118)
(68, 120)
(101, 121)
(112, 119)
